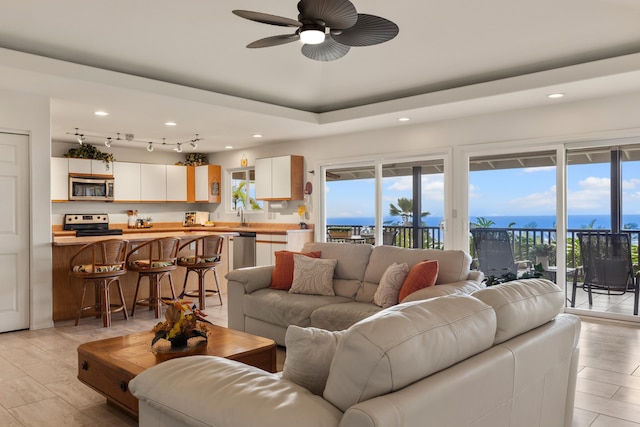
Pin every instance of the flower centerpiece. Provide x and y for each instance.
(183, 327)
(302, 210)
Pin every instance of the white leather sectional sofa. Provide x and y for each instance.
(504, 356)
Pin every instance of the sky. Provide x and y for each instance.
(524, 191)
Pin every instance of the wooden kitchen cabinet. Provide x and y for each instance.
(280, 178)
(153, 182)
(208, 184)
(176, 183)
(126, 181)
(59, 179)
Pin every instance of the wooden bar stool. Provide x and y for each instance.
(206, 256)
(154, 259)
(100, 263)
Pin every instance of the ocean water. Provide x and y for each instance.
(533, 221)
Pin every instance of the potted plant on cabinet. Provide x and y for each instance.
(542, 252)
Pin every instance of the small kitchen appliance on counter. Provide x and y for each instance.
(196, 218)
(90, 225)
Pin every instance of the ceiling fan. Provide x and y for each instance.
(327, 28)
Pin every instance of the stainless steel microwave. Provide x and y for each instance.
(91, 188)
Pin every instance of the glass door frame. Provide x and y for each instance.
(378, 162)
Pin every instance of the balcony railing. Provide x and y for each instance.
(522, 239)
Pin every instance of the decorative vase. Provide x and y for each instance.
(544, 261)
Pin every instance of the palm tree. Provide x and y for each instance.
(482, 222)
(405, 210)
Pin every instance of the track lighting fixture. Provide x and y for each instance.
(129, 137)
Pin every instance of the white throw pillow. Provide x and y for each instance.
(390, 283)
(312, 276)
(309, 355)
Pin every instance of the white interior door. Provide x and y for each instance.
(14, 232)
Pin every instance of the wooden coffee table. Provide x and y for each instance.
(108, 365)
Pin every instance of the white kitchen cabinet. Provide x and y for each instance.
(280, 178)
(89, 167)
(126, 181)
(176, 183)
(208, 180)
(59, 179)
(82, 166)
(153, 183)
(267, 245)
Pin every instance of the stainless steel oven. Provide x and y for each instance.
(91, 188)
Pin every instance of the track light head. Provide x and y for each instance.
(107, 143)
(178, 147)
(193, 144)
(150, 147)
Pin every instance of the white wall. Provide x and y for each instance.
(28, 114)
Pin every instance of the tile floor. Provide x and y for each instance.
(38, 384)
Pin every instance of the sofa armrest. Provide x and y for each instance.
(251, 278)
(184, 389)
(476, 276)
(465, 287)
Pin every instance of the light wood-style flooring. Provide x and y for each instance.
(38, 384)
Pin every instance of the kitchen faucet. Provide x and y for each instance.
(241, 215)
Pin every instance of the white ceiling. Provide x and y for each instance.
(150, 61)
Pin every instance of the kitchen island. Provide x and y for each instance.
(67, 290)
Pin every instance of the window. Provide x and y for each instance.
(243, 190)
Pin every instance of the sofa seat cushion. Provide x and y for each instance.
(281, 308)
(212, 391)
(405, 343)
(336, 317)
(522, 305)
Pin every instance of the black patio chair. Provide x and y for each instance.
(389, 237)
(607, 266)
(495, 253)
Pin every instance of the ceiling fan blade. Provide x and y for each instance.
(265, 18)
(369, 30)
(334, 13)
(274, 41)
(328, 50)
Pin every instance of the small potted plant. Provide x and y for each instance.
(542, 252)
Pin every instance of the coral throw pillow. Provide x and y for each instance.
(422, 275)
(282, 275)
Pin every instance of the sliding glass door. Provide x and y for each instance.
(392, 203)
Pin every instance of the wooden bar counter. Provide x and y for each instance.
(67, 290)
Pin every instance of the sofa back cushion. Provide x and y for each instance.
(453, 264)
(352, 263)
(405, 343)
(522, 305)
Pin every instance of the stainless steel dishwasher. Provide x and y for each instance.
(244, 249)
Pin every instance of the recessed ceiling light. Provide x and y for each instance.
(228, 147)
(257, 135)
(170, 123)
(404, 119)
(101, 113)
(555, 95)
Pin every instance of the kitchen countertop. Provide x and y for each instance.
(63, 237)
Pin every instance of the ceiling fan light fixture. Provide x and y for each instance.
(311, 35)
